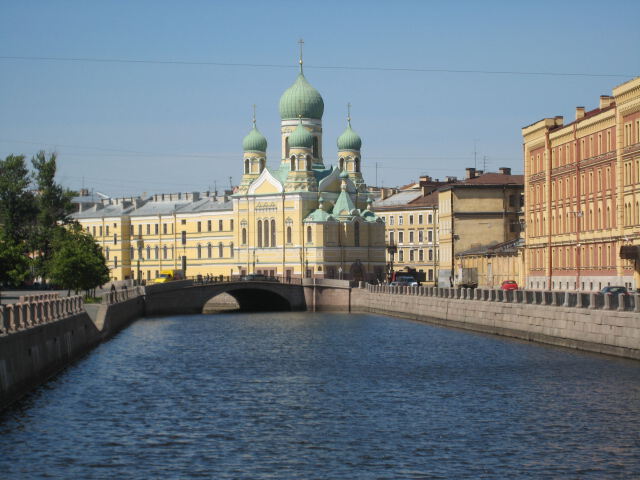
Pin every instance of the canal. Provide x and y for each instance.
(325, 396)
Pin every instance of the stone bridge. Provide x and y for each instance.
(185, 297)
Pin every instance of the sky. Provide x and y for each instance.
(415, 73)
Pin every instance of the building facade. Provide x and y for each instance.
(411, 219)
(297, 218)
(582, 187)
(482, 210)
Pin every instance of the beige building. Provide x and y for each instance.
(482, 210)
(582, 186)
(411, 219)
(488, 267)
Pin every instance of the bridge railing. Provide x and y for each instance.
(117, 296)
(591, 300)
(31, 313)
(213, 279)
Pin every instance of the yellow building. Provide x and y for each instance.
(488, 267)
(482, 210)
(411, 220)
(582, 186)
(297, 218)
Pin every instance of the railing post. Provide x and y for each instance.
(607, 301)
(592, 301)
(636, 302)
(622, 302)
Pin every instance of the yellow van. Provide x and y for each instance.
(169, 276)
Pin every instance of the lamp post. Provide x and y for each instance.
(392, 249)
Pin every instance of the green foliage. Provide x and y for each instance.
(77, 262)
(14, 264)
(53, 207)
(17, 202)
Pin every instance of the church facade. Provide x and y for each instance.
(298, 218)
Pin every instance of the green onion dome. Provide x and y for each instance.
(300, 138)
(254, 141)
(301, 100)
(349, 140)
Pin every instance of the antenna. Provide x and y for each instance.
(230, 183)
(376, 174)
(484, 163)
(475, 153)
(215, 188)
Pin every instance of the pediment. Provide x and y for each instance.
(264, 184)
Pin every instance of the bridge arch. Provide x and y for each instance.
(180, 298)
(248, 300)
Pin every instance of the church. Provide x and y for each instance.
(298, 218)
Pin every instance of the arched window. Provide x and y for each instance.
(266, 233)
(286, 147)
(220, 250)
(259, 233)
(309, 235)
(148, 253)
(199, 248)
(261, 165)
(293, 163)
(164, 252)
(246, 165)
(231, 247)
(209, 250)
(155, 252)
(106, 253)
(132, 253)
(244, 236)
(357, 164)
(273, 233)
(316, 150)
(288, 234)
(356, 234)
(308, 162)
(341, 163)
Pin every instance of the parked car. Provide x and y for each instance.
(404, 281)
(509, 285)
(615, 290)
(254, 277)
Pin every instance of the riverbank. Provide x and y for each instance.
(612, 332)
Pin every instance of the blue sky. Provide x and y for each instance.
(124, 128)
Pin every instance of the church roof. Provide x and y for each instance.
(343, 204)
(301, 100)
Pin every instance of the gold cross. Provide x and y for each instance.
(349, 113)
(301, 42)
(254, 115)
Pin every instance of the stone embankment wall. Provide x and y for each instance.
(590, 322)
(39, 337)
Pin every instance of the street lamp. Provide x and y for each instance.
(140, 246)
(392, 249)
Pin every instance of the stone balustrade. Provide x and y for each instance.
(594, 301)
(117, 296)
(27, 314)
(36, 297)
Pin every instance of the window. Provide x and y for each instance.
(244, 236)
(273, 233)
(390, 222)
(155, 252)
(139, 230)
(410, 219)
(208, 225)
(115, 262)
(164, 228)
(430, 275)
(209, 250)
(220, 225)
(411, 236)
(231, 250)
(115, 238)
(430, 236)
(391, 238)
(148, 229)
(430, 219)
(265, 226)
(199, 250)
(132, 253)
(107, 230)
(259, 233)
(106, 253)
(411, 255)
(100, 230)
(288, 234)
(164, 252)
(420, 219)
(400, 220)
(184, 237)
(420, 236)
(401, 255)
(309, 235)
(199, 227)
(148, 252)
(430, 254)
(220, 250)
(400, 237)
(421, 255)
(231, 224)
(183, 221)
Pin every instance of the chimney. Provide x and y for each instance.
(605, 101)
(579, 113)
(471, 172)
(451, 179)
(505, 170)
(195, 196)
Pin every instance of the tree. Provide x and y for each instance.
(17, 204)
(14, 264)
(53, 207)
(77, 262)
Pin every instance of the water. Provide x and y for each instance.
(318, 396)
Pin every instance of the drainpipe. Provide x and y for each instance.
(548, 209)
